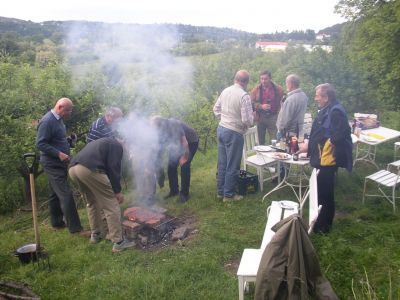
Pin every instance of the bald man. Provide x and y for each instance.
(235, 112)
(51, 139)
(291, 116)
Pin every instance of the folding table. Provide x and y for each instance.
(369, 140)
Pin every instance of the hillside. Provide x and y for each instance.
(49, 29)
(55, 30)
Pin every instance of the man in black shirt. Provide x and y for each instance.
(181, 141)
(97, 171)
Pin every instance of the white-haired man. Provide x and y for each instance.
(235, 112)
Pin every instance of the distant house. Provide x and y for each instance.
(271, 46)
(322, 36)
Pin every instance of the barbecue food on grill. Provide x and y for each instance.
(143, 215)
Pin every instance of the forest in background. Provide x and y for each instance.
(177, 71)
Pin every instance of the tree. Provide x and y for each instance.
(356, 9)
(372, 44)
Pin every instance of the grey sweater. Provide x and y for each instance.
(291, 115)
(51, 137)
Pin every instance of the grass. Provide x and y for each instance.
(360, 257)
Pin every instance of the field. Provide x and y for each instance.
(360, 256)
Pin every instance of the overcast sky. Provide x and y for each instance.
(259, 16)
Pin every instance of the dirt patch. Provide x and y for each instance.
(232, 266)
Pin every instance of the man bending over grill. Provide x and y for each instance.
(181, 141)
(96, 169)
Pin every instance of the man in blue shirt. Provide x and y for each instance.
(102, 127)
(52, 142)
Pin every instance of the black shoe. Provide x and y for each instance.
(171, 194)
(183, 198)
(321, 229)
(60, 226)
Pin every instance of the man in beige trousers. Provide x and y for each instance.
(96, 169)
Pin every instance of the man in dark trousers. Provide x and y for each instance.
(96, 169)
(181, 141)
(329, 147)
(51, 139)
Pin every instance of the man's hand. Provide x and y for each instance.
(265, 106)
(183, 160)
(120, 198)
(63, 157)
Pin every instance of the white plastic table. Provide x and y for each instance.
(366, 145)
(295, 171)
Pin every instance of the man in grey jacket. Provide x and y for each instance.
(291, 116)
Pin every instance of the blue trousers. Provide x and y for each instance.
(230, 147)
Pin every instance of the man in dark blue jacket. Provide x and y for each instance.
(51, 139)
(329, 147)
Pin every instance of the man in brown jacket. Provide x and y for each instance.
(266, 99)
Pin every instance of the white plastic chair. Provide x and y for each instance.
(250, 261)
(261, 163)
(313, 208)
(251, 258)
(387, 183)
(396, 148)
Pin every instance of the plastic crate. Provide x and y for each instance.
(247, 183)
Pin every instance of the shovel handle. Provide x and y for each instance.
(30, 159)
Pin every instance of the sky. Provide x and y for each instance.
(265, 16)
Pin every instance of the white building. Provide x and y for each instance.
(322, 36)
(271, 46)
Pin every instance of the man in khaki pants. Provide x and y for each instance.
(96, 169)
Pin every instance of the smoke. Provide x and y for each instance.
(135, 61)
(132, 66)
(141, 141)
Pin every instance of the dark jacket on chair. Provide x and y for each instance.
(289, 267)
